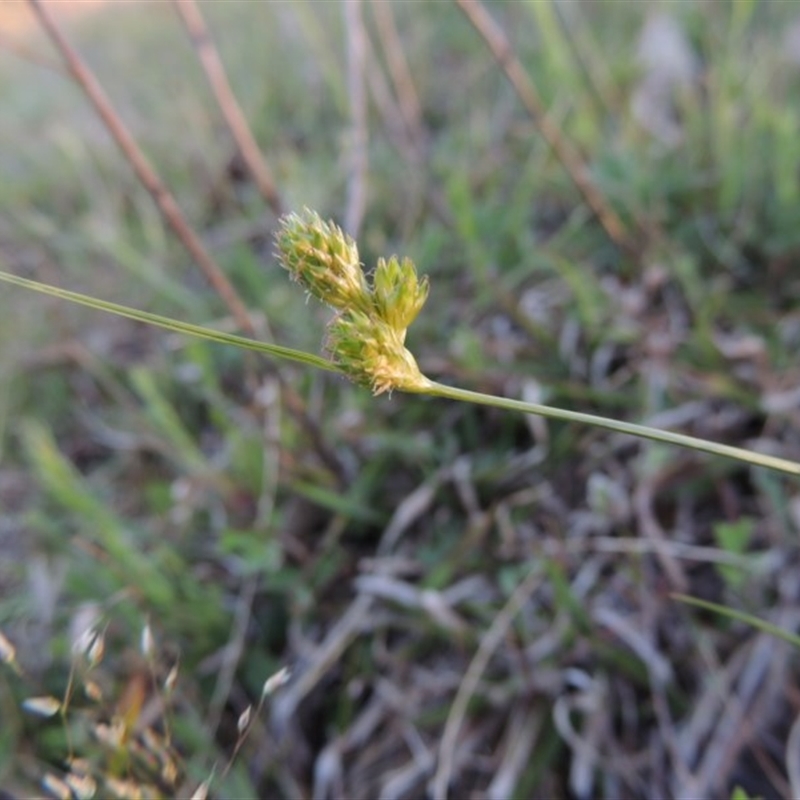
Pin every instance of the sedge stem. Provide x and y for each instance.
(430, 388)
(173, 324)
(642, 431)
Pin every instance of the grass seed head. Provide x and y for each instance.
(201, 792)
(44, 706)
(171, 679)
(275, 681)
(244, 720)
(147, 643)
(97, 650)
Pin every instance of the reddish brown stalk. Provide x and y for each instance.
(569, 157)
(399, 71)
(235, 119)
(173, 215)
(144, 171)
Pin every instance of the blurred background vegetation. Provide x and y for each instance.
(471, 603)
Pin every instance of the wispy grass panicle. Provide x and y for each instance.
(366, 338)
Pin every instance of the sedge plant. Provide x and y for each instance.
(366, 336)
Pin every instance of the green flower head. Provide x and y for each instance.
(371, 353)
(366, 337)
(321, 257)
(398, 294)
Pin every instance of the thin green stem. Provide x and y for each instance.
(173, 325)
(430, 388)
(743, 616)
(642, 431)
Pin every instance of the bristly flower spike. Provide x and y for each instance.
(366, 338)
(398, 293)
(371, 353)
(324, 259)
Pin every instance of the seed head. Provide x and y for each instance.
(371, 353)
(398, 294)
(366, 338)
(321, 257)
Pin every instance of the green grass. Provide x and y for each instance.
(139, 478)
